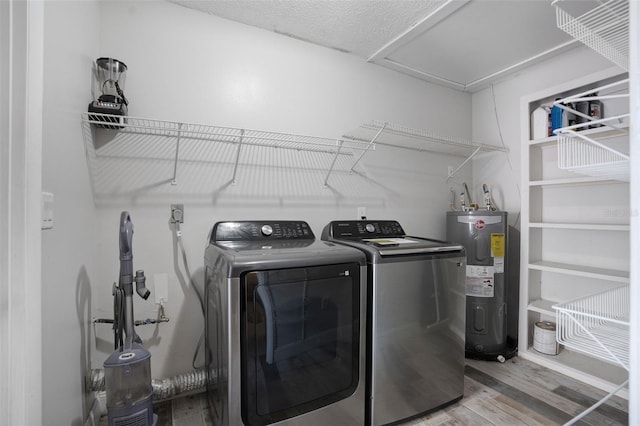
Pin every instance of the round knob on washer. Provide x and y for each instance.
(266, 230)
(370, 227)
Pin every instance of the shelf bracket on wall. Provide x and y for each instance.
(333, 163)
(452, 173)
(364, 151)
(175, 161)
(235, 167)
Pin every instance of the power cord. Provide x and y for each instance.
(118, 317)
(516, 179)
(175, 220)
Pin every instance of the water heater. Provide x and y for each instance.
(483, 233)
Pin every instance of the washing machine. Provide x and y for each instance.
(284, 326)
(416, 319)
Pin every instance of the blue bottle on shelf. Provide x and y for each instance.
(556, 118)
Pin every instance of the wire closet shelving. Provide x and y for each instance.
(604, 28)
(130, 157)
(597, 325)
(159, 156)
(402, 137)
(581, 152)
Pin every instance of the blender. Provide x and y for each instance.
(111, 105)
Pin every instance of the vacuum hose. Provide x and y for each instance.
(126, 275)
(140, 288)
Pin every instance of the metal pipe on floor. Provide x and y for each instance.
(192, 382)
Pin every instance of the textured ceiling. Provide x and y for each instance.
(464, 44)
(359, 27)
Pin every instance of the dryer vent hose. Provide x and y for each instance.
(193, 382)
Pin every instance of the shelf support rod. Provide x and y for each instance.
(235, 168)
(333, 163)
(175, 161)
(597, 404)
(367, 147)
(463, 163)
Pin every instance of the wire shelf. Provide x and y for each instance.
(578, 149)
(133, 158)
(581, 154)
(397, 136)
(604, 28)
(597, 325)
(172, 129)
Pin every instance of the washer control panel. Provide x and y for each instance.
(366, 229)
(260, 231)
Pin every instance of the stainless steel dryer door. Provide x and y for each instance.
(417, 335)
(300, 340)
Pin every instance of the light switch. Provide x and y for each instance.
(46, 207)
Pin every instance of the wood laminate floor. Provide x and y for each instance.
(517, 392)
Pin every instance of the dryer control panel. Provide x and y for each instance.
(358, 229)
(261, 231)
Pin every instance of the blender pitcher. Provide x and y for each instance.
(111, 105)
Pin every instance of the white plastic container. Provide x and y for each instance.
(539, 123)
(544, 338)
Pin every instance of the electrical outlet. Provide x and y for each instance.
(362, 213)
(177, 213)
(161, 288)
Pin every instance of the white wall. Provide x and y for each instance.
(192, 67)
(69, 249)
(21, 53)
(496, 119)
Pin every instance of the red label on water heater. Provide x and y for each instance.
(479, 224)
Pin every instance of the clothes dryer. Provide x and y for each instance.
(416, 318)
(285, 326)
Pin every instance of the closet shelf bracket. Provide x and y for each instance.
(369, 145)
(469, 158)
(174, 181)
(235, 167)
(333, 163)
